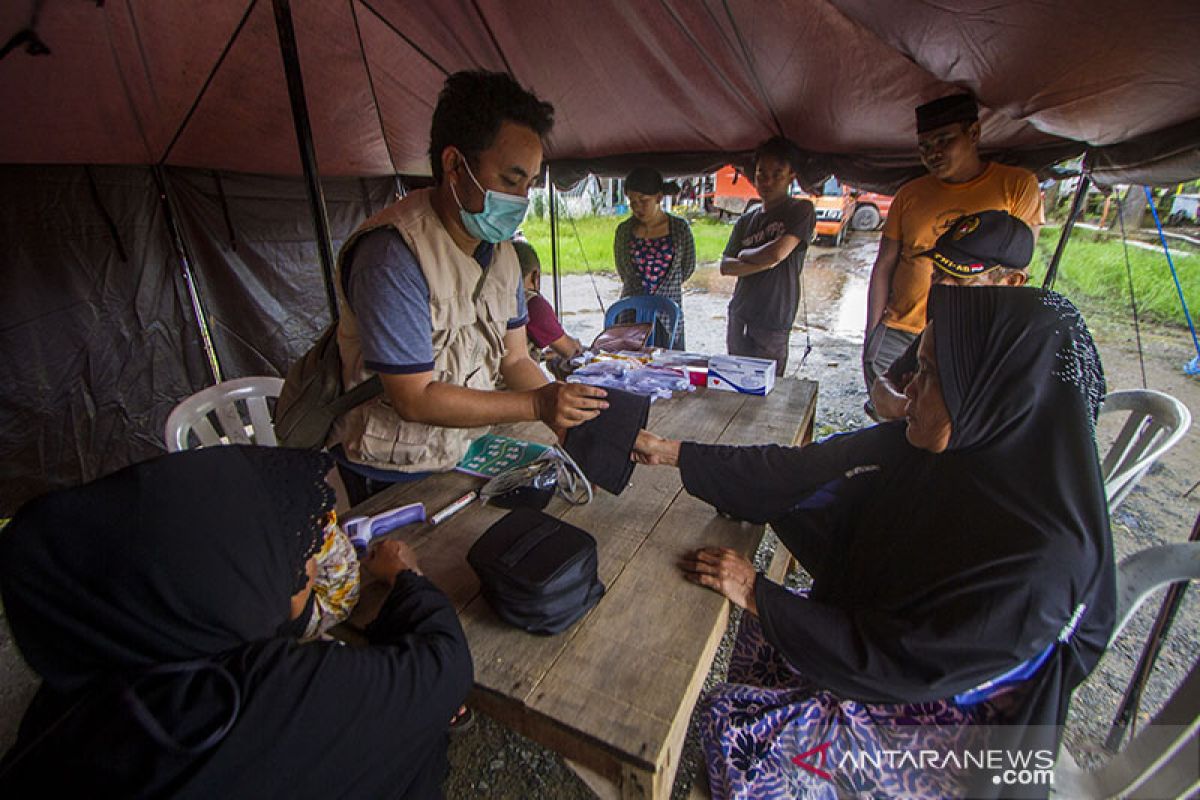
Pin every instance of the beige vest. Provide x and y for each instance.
(469, 308)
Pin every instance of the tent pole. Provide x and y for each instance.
(1127, 713)
(1076, 206)
(214, 366)
(308, 155)
(554, 243)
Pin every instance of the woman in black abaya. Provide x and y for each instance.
(961, 561)
(160, 606)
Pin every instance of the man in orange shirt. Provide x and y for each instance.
(959, 183)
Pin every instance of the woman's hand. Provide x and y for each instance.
(652, 449)
(724, 571)
(389, 558)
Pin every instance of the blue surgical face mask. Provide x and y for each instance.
(501, 216)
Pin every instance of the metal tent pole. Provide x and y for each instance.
(308, 156)
(554, 243)
(189, 279)
(1076, 206)
(1127, 713)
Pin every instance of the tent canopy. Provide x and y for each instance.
(683, 84)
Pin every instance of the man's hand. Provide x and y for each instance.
(389, 558)
(724, 571)
(566, 346)
(888, 399)
(565, 405)
(652, 449)
(880, 286)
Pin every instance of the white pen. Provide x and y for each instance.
(454, 508)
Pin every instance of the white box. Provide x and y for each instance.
(741, 374)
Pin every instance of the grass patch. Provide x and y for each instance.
(587, 243)
(1095, 268)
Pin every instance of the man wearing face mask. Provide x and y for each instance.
(431, 298)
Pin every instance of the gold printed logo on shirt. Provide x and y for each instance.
(965, 227)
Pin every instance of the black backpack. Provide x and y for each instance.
(312, 397)
(537, 572)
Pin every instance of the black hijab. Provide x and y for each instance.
(933, 573)
(1023, 383)
(178, 558)
(151, 602)
(952, 567)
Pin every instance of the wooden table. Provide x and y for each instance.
(613, 694)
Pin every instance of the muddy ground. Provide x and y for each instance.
(489, 761)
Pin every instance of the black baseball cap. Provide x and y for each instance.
(978, 243)
(944, 110)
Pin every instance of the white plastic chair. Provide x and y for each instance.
(1161, 760)
(1156, 422)
(238, 407)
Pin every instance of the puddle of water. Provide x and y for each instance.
(837, 299)
(851, 306)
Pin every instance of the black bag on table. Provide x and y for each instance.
(312, 398)
(537, 572)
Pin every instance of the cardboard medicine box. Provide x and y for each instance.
(741, 374)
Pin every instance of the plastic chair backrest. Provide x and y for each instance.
(1156, 422)
(238, 407)
(646, 308)
(1160, 761)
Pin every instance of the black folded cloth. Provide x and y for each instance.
(602, 446)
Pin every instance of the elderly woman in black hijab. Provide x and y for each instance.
(961, 561)
(654, 251)
(160, 604)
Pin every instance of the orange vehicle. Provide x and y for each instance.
(835, 207)
(733, 193)
(870, 210)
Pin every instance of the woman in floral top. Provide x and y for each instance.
(654, 250)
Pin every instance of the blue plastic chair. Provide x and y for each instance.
(647, 308)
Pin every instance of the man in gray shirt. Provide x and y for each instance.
(766, 252)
